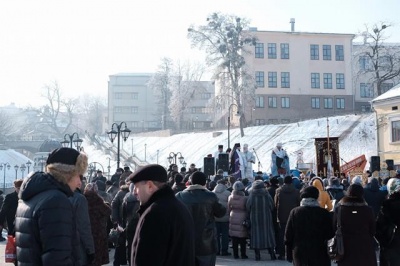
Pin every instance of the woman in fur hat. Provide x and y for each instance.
(358, 228)
(45, 226)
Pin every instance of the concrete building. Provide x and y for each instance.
(387, 109)
(300, 75)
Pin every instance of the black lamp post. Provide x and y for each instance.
(70, 139)
(22, 168)
(5, 166)
(172, 157)
(116, 132)
(29, 165)
(229, 122)
(16, 167)
(109, 167)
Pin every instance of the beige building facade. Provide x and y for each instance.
(300, 75)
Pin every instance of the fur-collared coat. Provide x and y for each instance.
(99, 212)
(358, 228)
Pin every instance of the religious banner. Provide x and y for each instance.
(327, 161)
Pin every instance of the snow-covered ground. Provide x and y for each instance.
(357, 136)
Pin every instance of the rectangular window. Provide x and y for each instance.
(134, 109)
(365, 108)
(314, 51)
(315, 103)
(339, 80)
(134, 124)
(339, 52)
(272, 79)
(386, 86)
(206, 96)
(259, 50)
(260, 102)
(119, 95)
(327, 80)
(326, 51)
(272, 121)
(366, 90)
(272, 102)
(395, 131)
(260, 122)
(260, 79)
(272, 51)
(340, 103)
(328, 103)
(135, 95)
(285, 79)
(284, 51)
(315, 83)
(285, 121)
(363, 62)
(285, 102)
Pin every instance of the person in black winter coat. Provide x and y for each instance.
(130, 217)
(164, 235)
(390, 213)
(335, 190)
(308, 228)
(45, 230)
(9, 208)
(204, 207)
(373, 195)
(178, 185)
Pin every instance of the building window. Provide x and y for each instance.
(272, 121)
(340, 103)
(386, 86)
(363, 62)
(315, 103)
(272, 102)
(134, 124)
(365, 108)
(326, 51)
(314, 52)
(260, 102)
(206, 96)
(119, 95)
(260, 122)
(315, 83)
(134, 109)
(272, 79)
(259, 50)
(285, 121)
(366, 90)
(327, 80)
(272, 51)
(285, 79)
(339, 52)
(284, 51)
(260, 79)
(395, 131)
(328, 103)
(339, 81)
(285, 102)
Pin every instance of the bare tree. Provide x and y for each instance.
(91, 109)
(382, 59)
(6, 126)
(225, 40)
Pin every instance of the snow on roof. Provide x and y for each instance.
(392, 93)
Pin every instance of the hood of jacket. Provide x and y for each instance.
(219, 188)
(40, 182)
(317, 182)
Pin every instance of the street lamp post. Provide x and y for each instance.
(145, 151)
(172, 157)
(16, 167)
(70, 139)
(22, 167)
(29, 165)
(229, 123)
(116, 132)
(109, 167)
(158, 151)
(5, 166)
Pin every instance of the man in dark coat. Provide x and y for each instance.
(287, 198)
(308, 228)
(373, 195)
(204, 207)
(45, 229)
(164, 235)
(9, 208)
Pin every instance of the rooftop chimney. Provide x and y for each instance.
(292, 21)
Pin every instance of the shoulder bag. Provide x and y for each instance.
(335, 245)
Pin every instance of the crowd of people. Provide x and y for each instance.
(155, 216)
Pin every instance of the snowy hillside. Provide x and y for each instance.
(356, 137)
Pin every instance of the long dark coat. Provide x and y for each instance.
(307, 230)
(260, 207)
(358, 228)
(164, 234)
(8, 210)
(99, 212)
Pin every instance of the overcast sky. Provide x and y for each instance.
(80, 43)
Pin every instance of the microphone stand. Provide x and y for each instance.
(258, 159)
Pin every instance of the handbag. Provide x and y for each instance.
(246, 223)
(113, 236)
(10, 254)
(335, 244)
